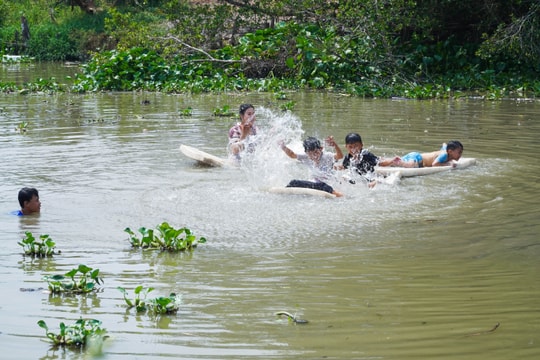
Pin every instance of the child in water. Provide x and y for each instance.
(319, 161)
(361, 160)
(240, 134)
(29, 202)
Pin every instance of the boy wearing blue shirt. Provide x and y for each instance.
(29, 202)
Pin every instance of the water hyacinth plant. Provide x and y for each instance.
(158, 305)
(78, 334)
(186, 112)
(42, 247)
(83, 279)
(224, 111)
(165, 238)
(22, 127)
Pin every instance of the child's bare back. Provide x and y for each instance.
(429, 158)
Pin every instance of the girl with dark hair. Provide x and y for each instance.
(240, 135)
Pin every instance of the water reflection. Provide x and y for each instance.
(403, 271)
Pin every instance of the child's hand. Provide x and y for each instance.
(396, 161)
(330, 141)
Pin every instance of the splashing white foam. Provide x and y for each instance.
(267, 165)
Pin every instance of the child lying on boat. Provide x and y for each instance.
(447, 155)
(320, 162)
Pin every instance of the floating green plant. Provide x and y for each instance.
(280, 95)
(79, 334)
(22, 127)
(165, 238)
(223, 111)
(289, 105)
(186, 112)
(42, 247)
(83, 279)
(158, 305)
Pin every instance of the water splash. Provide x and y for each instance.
(267, 165)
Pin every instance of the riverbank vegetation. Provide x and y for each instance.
(386, 48)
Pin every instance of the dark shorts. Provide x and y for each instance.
(311, 185)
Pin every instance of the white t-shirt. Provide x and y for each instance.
(322, 171)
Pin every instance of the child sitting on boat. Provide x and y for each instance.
(320, 162)
(240, 134)
(361, 160)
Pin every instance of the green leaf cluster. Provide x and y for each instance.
(82, 279)
(224, 111)
(159, 305)
(77, 334)
(166, 238)
(42, 247)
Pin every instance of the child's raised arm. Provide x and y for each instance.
(287, 151)
(331, 142)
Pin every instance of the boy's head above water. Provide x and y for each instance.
(313, 148)
(353, 143)
(29, 201)
(311, 144)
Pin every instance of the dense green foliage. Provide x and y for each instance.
(56, 33)
(418, 49)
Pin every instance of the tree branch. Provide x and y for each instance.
(208, 56)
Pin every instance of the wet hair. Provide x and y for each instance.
(353, 138)
(244, 108)
(26, 194)
(311, 143)
(454, 144)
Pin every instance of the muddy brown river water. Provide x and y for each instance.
(405, 271)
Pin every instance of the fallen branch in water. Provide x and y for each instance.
(485, 332)
(291, 317)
